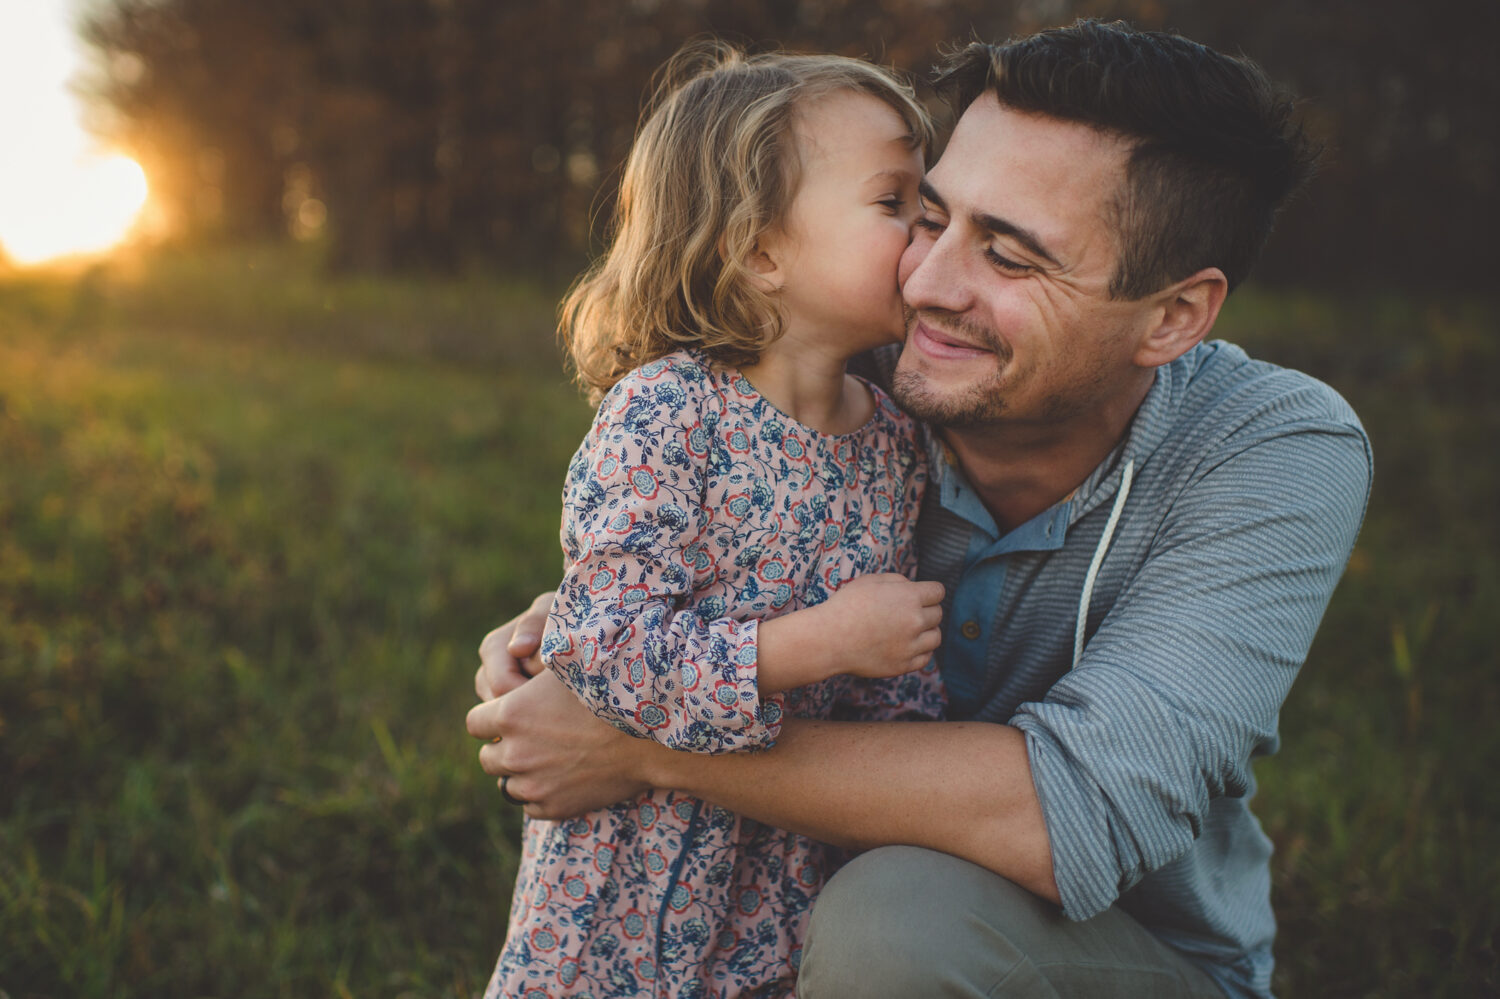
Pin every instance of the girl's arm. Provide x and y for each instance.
(638, 539)
(620, 634)
(876, 626)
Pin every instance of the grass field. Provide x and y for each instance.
(253, 524)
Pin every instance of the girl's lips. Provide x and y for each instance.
(937, 344)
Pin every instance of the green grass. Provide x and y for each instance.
(244, 567)
(253, 524)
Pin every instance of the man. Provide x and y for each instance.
(1138, 531)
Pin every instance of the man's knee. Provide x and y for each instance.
(861, 941)
(897, 922)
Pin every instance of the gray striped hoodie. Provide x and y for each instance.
(1245, 485)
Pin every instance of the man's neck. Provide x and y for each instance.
(1020, 471)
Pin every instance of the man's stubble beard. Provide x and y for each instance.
(973, 408)
(986, 404)
(976, 405)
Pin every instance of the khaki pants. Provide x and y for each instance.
(903, 923)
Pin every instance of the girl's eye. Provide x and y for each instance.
(894, 205)
(1005, 263)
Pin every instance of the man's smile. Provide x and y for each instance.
(941, 344)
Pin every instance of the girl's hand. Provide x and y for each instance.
(881, 625)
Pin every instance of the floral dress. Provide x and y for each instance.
(693, 510)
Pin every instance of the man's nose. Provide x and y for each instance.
(932, 275)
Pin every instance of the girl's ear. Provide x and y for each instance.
(764, 264)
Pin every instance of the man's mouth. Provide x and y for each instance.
(941, 344)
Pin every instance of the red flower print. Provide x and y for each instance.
(726, 694)
(643, 481)
(652, 716)
(772, 570)
(601, 580)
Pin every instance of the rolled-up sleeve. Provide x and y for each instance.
(1183, 682)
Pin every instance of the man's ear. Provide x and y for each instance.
(1184, 314)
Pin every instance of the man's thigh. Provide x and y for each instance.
(905, 922)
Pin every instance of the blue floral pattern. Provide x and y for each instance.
(693, 510)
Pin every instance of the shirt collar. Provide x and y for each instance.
(1044, 532)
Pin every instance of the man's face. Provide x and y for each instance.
(1007, 277)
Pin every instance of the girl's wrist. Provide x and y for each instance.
(792, 651)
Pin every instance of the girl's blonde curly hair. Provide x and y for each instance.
(713, 168)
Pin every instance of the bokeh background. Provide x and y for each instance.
(273, 459)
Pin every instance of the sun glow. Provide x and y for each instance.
(60, 196)
(86, 207)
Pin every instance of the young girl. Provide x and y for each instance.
(738, 522)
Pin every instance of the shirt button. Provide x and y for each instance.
(970, 630)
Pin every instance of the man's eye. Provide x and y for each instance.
(1005, 263)
(928, 225)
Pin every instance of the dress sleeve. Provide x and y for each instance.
(915, 696)
(1183, 682)
(622, 632)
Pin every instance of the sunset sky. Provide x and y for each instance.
(60, 193)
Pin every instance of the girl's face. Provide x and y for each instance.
(837, 255)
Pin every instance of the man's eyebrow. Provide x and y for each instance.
(993, 224)
(928, 193)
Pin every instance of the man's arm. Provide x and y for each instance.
(962, 788)
(1181, 686)
(959, 787)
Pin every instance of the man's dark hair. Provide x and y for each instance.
(1217, 147)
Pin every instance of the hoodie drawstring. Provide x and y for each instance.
(1088, 581)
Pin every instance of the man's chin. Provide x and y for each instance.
(963, 406)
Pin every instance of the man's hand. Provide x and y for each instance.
(505, 655)
(560, 759)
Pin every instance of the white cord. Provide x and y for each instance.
(1088, 581)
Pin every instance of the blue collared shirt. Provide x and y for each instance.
(970, 620)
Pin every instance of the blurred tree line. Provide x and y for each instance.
(444, 133)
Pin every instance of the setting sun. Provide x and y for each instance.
(59, 194)
(84, 207)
